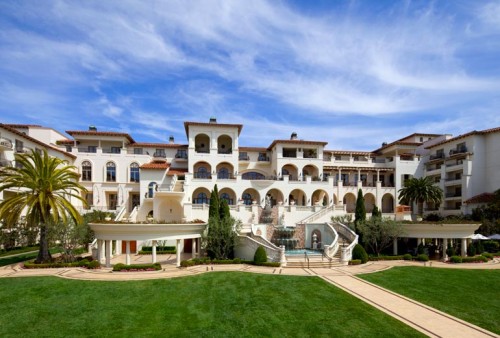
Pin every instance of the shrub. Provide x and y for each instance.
(450, 251)
(456, 259)
(487, 255)
(355, 262)
(479, 247)
(158, 248)
(471, 250)
(475, 259)
(491, 246)
(137, 267)
(422, 258)
(270, 264)
(407, 257)
(84, 263)
(433, 217)
(185, 264)
(260, 255)
(420, 249)
(158, 252)
(93, 265)
(359, 253)
(385, 258)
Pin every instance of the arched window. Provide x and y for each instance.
(202, 173)
(134, 172)
(252, 176)
(151, 189)
(201, 199)
(110, 172)
(223, 173)
(247, 199)
(86, 171)
(225, 196)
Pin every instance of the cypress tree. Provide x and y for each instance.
(223, 210)
(213, 211)
(360, 213)
(376, 212)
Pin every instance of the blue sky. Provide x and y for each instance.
(352, 73)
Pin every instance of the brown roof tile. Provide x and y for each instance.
(100, 133)
(208, 124)
(474, 132)
(296, 142)
(485, 197)
(155, 166)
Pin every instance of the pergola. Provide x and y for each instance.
(107, 232)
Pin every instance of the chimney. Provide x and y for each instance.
(213, 120)
(92, 128)
(293, 136)
(171, 139)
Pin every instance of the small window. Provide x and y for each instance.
(115, 150)
(19, 146)
(92, 149)
(69, 149)
(110, 172)
(138, 151)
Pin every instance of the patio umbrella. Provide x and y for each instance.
(478, 236)
(495, 236)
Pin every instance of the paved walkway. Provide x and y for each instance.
(425, 319)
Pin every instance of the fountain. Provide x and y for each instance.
(283, 235)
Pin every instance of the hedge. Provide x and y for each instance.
(208, 261)
(487, 255)
(475, 259)
(158, 252)
(407, 257)
(158, 248)
(85, 263)
(456, 259)
(355, 262)
(137, 267)
(422, 258)
(386, 258)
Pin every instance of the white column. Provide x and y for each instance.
(419, 241)
(108, 253)
(464, 247)
(100, 250)
(118, 248)
(395, 246)
(193, 248)
(178, 252)
(154, 251)
(445, 247)
(127, 251)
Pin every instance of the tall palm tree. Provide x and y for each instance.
(44, 186)
(420, 190)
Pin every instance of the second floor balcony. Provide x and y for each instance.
(5, 143)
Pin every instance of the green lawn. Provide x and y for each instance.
(210, 305)
(21, 258)
(472, 295)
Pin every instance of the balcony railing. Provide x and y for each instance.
(112, 150)
(225, 152)
(437, 156)
(202, 151)
(244, 158)
(202, 175)
(5, 163)
(87, 150)
(225, 176)
(159, 154)
(181, 156)
(453, 194)
(263, 159)
(460, 150)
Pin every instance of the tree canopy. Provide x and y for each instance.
(420, 190)
(45, 186)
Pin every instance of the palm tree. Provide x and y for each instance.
(420, 190)
(44, 186)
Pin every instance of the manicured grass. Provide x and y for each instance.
(471, 295)
(23, 258)
(218, 304)
(18, 251)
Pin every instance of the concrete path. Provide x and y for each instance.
(423, 318)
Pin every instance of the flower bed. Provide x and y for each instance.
(136, 267)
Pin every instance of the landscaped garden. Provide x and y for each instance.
(209, 305)
(471, 295)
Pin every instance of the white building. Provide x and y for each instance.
(301, 181)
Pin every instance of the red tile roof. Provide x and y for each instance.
(22, 125)
(156, 166)
(176, 171)
(208, 124)
(297, 142)
(252, 149)
(485, 197)
(157, 145)
(331, 167)
(100, 133)
(348, 152)
(474, 132)
(34, 140)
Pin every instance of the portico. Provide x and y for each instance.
(105, 233)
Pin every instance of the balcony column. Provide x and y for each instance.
(153, 253)
(100, 250)
(108, 253)
(359, 183)
(127, 252)
(340, 183)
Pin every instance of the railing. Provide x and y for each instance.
(87, 150)
(331, 250)
(120, 213)
(454, 194)
(437, 156)
(202, 175)
(116, 150)
(199, 151)
(159, 154)
(343, 230)
(225, 176)
(181, 155)
(317, 215)
(303, 208)
(224, 152)
(244, 158)
(460, 150)
(200, 206)
(263, 159)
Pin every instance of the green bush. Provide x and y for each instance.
(450, 251)
(471, 250)
(137, 267)
(487, 255)
(158, 252)
(456, 259)
(385, 258)
(420, 249)
(158, 248)
(83, 263)
(407, 257)
(491, 246)
(479, 247)
(355, 262)
(260, 255)
(93, 265)
(475, 259)
(422, 258)
(185, 264)
(358, 252)
(270, 264)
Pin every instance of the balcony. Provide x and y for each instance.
(5, 163)
(263, 158)
(436, 157)
(244, 158)
(458, 151)
(111, 150)
(202, 175)
(87, 149)
(453, 195)
(5, 144)
(224, 152)
(159, 156)
(181, 155)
